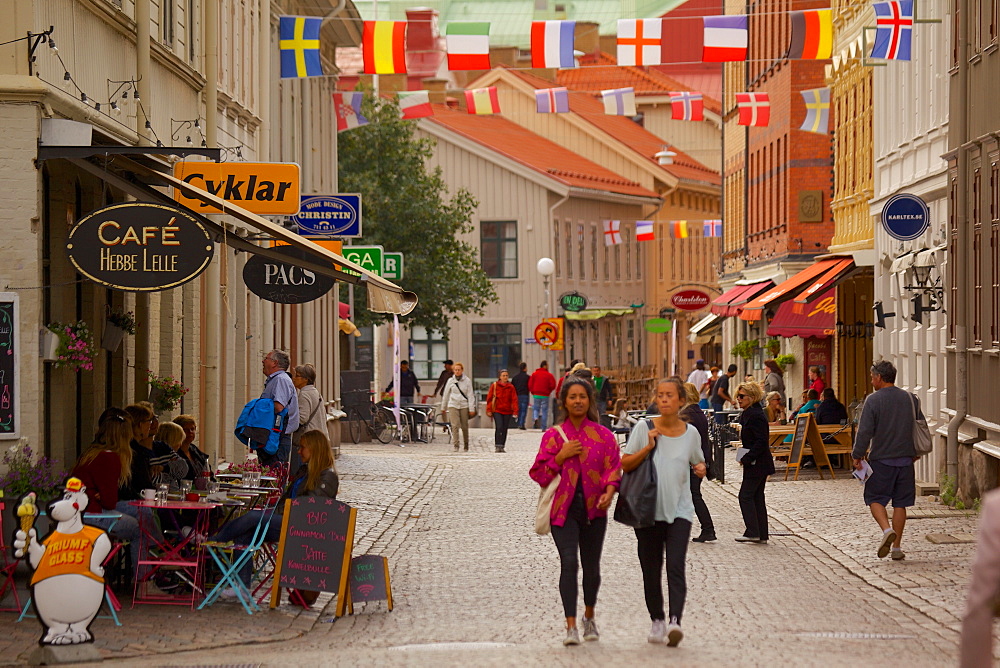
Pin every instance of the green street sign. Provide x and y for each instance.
(369, 258)
(392, 266)
(659, 325)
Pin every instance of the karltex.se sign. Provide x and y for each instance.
(905, 217)
(139, 246)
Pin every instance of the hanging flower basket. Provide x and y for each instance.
(48, 345)
(112, 337)
(76, 348)
(165, 392)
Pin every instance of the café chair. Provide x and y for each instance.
(8, 565)
(230, 558)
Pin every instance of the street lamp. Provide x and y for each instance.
(546, 267)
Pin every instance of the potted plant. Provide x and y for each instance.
(785, 360)
(76, 346)
(119, 323)
(165, 392)
(43, 476)
(744, 349)
(773, 346)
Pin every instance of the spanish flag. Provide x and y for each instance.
(679, 229)
(812, 34)
(383, 45)
(482, 100)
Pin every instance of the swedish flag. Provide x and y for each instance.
(299, 44)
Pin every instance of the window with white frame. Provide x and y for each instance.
(430, 350)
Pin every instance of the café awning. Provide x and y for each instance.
(731, 302)
(817, 320)
(383, 296)
(596, 313)
(790, 288)
(829, 279)
(706, 327)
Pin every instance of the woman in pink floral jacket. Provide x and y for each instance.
(587, 457)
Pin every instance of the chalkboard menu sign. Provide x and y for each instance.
(9, 427)
(314, 552)
(369, 580)
(799, 438)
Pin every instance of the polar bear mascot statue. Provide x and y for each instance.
(67, 586)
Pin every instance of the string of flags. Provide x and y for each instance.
(645, 231)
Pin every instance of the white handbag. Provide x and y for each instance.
(543, 513)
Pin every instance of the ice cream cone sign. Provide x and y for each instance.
(67, 585)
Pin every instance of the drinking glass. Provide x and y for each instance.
(185, 486)
(213, 487)
(161, 493)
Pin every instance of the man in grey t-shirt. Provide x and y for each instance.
(885, 434)
(279, 387)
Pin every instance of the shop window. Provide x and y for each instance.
(429, 352)
(495, 346)
(498, 241)
(582, 242)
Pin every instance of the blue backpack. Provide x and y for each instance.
(259, 427)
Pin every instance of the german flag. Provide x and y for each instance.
(812, 34)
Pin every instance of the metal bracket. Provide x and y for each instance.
(34, 39)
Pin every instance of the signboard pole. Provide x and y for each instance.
(346, 566)
(276, 579)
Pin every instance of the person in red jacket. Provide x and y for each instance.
(540, 385)
(501, 405)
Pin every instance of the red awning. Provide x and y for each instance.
(732, 301)
(788, 289)
(818, 319)
(830, 279)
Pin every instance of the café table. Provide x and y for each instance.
(180, 556)
(843, 438)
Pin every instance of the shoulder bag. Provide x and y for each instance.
(922, 442)
(543, 514)
(492, 407)
(464, 396)
(636, 505)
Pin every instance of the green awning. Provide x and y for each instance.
(596, 313)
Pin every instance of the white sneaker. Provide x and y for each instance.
(590, 629)
(887, 539)
(674, 633)
(658, 630)
(572, 637)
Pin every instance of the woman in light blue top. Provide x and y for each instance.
(675, 447)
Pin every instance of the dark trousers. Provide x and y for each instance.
(670, 538)
(753, 507)
(719, 417)
(281, 456)
(522, 409)
(588, 540)
(501, 424)
(700, 508)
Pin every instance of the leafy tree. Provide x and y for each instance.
(406, 209)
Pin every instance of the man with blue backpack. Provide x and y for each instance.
(280, 389)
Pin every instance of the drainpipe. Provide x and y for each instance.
(210, 408)
(142, 46)
(960, 311)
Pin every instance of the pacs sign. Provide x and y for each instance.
(329, 215)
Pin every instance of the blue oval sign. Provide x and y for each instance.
(905, 217)
(329, 215)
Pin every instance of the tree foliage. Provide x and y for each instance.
(406, 209)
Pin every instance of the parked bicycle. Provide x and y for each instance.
(378, 420)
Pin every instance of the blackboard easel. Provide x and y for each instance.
(369, 581)
(807, 434)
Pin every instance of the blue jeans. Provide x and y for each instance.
(126, 528)
(522, 409)
(719, 418)
(240, 531)
(541, 411)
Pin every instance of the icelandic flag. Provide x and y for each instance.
(893, 30)
(612, 232)
(725, 39)
(644, 230)
(619, 101)
(552, 101)
(687, 106)
(713, 228)
(415, 104)
(348, 109)
(552, 44)
(299, 46)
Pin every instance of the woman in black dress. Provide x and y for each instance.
(757, 463)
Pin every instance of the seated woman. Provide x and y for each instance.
(197, 460)
(830, 411)
(171, 434)
(622, 419)
(775, 411)
(317, 476)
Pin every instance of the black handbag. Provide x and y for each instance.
(636, 505)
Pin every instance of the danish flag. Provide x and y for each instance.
(755, 109)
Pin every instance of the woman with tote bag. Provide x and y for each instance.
(585, 457)
(675, 448)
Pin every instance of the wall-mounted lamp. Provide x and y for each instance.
(881, 315)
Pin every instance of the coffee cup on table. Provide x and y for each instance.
(148, 494)
(192, 496)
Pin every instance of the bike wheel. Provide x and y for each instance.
(354, 422)
(383, 428)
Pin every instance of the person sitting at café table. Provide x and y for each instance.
(172, 435)
(830, 411)
(197, 460)
(317, 476)
(810, 400)
(772, 406)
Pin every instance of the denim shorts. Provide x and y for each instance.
(891, 483)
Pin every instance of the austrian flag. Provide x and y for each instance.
(348, 109)
(755, 109)
(612, 232)
(687, 106)
(644, 230)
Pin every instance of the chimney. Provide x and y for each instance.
(587, 37)
(392, 83)
(459, 97)
(503, 55)
(436, 89)
(609, 44)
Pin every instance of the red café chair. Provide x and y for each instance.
(8, 565)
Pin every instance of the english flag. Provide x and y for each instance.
(639, 41)
(612, 232)
(687, 106)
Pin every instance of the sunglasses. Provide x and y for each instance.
(741, 396)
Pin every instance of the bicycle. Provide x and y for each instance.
(379, 420)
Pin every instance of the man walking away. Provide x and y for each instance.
(540, 386)
(699, 377)
(605, 391)
(520, 382)
(885, 434)
(408, 384)
(280, 388)
(443, 378)
(720, 394)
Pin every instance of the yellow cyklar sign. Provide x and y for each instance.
(267, 188)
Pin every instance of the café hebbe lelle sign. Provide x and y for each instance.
(139, 246)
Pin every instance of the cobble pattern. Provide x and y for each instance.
(473, 584)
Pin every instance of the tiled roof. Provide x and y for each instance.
(523, 146)
(628, 132)
(601, 71)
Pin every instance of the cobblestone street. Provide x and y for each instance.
(474, 585)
